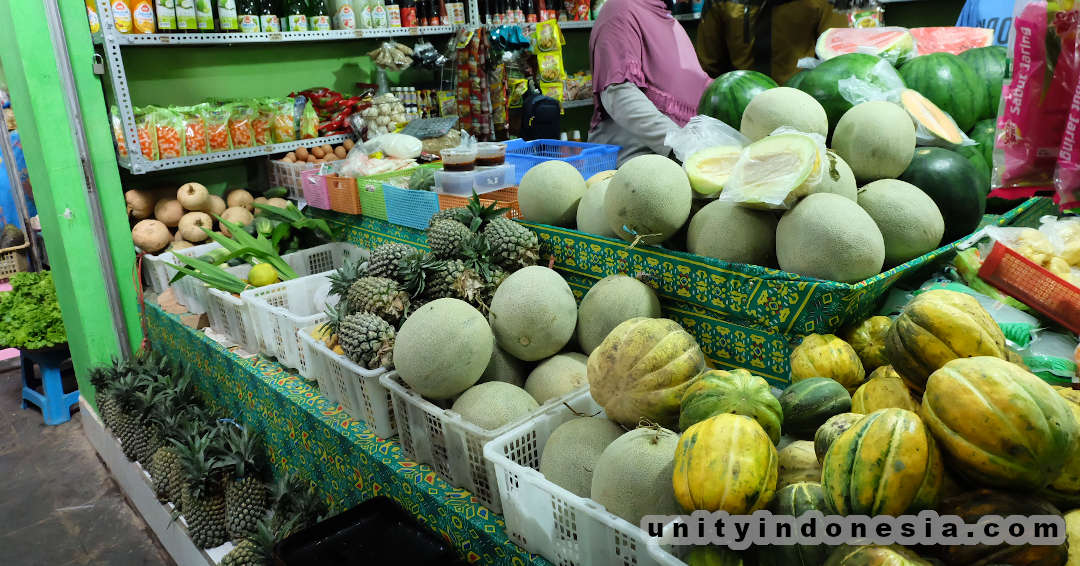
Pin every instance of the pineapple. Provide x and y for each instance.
(445, 238)
(146, 437)
(474, 215)
(386, 258)
(125, 423)
(170, 423)
(415, 273)
(456, 280)
(202, 497)
(513, 246)
(296, 505)
(379, 296)
(103, 378)
(257, 549)
(245, 494)
(342, 278)
(174, 471)
(367, 340)
(459, 214)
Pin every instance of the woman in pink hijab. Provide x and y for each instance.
(646, 76)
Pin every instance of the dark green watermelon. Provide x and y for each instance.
(950, 83)
(954, 184)
(728, 95)
(793, 501)
(822, 82)
(807, 404)
(975, 156)
(797, 79)
(989, 63)
(984, 133)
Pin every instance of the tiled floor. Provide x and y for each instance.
(58, 505)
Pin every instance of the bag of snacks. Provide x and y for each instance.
(169, 127)
(216, 121)
(194, 129)
(283, 120)
(241, 130)
(264, 114)
(147, 137)
(118, 131)
(309, 121)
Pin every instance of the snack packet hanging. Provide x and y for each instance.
(1037, 95)
(264, 115)
(145, 127)
(216, 121)
(283, 121)
(550, 67)
(548, 37)
(194, 130)
(118, 131)
(168, 128)
(241, 130)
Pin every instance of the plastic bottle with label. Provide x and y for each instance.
(92, 16)
(344, 16)
(247, 16)
(379, 17)
(268, 17)
(165, 10)
(185, 16)
(228, 21)
(204, 15)
(121, 12)
(142, 16)
(318, 16)
(363, 14)
(294, 16)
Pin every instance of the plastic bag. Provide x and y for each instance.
(168, 128)
(392, 56)
(194, 130)
(756, 183)
(309, 121)
(144, 125)
(702, 132)
(1064, 237)
(264, 115)
(399, 146)
(283, 122)
(1033, 244)
(1037, 95)
(118, 131)
(241, 131)
(216, 121)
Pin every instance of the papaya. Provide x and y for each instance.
(825, 355)
(725, 463)
(867, 338)
(885, 389)
(1064, 490)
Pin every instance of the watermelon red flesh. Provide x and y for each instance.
(822, 82)
(950, 83)
(894, 44)
(989, 63)
(955, 186)
(726, 98)
(953, 40)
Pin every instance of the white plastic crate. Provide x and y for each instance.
(451, 445)
(284, 174)
(548, 520)
(231, 316)
(280, 310)
(357, 389)
(161, 268)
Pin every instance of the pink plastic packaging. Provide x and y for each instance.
(1067, 175)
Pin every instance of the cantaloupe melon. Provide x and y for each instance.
(937, 125)
(728, 232)
(549, 193)
(708, 169)
(591, 217)
(829, 237)
(597, 178)
(649, 198)
(556, 376)
(910, 222)
(837, 178)
(494, 404)
(774, 172)
(877, 139)
(613, 300)
(533, 314)
(443, 348)
(504, 367)
(797, 463)
(572, 449)
(780, 107)
(632, 476)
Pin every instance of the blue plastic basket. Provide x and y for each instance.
(406, 207)
(588, 158)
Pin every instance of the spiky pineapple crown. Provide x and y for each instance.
(294, 500)
(480, 214)
(197, 464)
(244, 452)
(415, 270)
(335, 315)
(343, 277)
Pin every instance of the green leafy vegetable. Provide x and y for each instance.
(30, 314)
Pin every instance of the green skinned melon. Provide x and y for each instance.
(954, 185)
(807, 404)
(910, 222)
(494, 404)
(612, 301)
(838, 179)
(829, 237)
(738, 392)
(571, 451)
(823, 82)
(533, 313)
(950, 83)
(728, 232)
(990, 64)
(728, 95)
(443, 348)
(783, 107)
(984, 133)
(549, 193)
(632, 476)
(591, 217)
(877, 139)
(556, 376)
(648, 200)
(793, 501)
(975, 155)
(504, 367)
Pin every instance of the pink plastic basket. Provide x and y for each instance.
(315, 192)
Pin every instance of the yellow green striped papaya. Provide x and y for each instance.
(1064, 490)
(725, 463)
(867, 337)
(825, 355)
(885, 389)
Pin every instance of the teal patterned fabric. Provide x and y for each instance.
(307, 435)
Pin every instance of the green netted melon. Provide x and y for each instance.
(494, 404)
(533, 313)
(556, 376)
(599, 177)
(728, 232)
(783, 107)
(571, 451)
(828, 236)
(632, 476)
(504, 367)
(837, 178)
(612, 301)
(648, 200)
(591, 217)
(877, 139)
(443, 348)
(910, 222)
(549, 193)
(641, 370)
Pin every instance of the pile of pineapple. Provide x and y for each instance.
(472, 250)
(212, 470)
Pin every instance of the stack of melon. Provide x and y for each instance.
(174, 219)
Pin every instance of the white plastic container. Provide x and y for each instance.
(161, 268)
(229, 315)
(278, 311)
(548, 520)
(357, 389)
(482, 180)
(451, 445)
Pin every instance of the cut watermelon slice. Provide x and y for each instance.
(953, 40)
(894, 44)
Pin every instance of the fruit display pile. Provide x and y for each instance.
(214, 471)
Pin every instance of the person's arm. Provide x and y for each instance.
(968, 17)
(635, 113)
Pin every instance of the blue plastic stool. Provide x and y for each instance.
(55, 404)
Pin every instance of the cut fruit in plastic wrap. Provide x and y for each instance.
(894, 44)
(708, 169)
(951, 39)
(774, 172)
(933, 126)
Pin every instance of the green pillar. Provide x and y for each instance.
(56, 174)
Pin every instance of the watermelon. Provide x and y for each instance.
(797, 79)
(973, 154)
(953, 40)
(807, 404)
(896, 45)
(954, 184)
(950, 83)
(989, 63)
(822, 82)
(727, 96)
(983, 133)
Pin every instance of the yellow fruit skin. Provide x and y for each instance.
(825, 355)
(798, 463)
(999, 424)
(867, 338)
(1064, 491)
(886, 464)
(725, 463)
(1072, 529)
(874, 555)
(936, 327)
(641, 370)
(884, 390)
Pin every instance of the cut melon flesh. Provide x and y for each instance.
(929, 117)
(773, 172)
(709, 169)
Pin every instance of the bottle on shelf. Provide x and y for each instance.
(564, 137)
(408, 13)
(421, 12)
(121, 12)
(379, 19)
(269, 21)
(92, 16)
(186, 21)
(294, 16)
(165, 10)
(318, 15)
(204, 15)
(247, 16)
(227, 18)
(142, 16)
(575, 136)
(344, 15)
(531, 14)
(393, 13)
